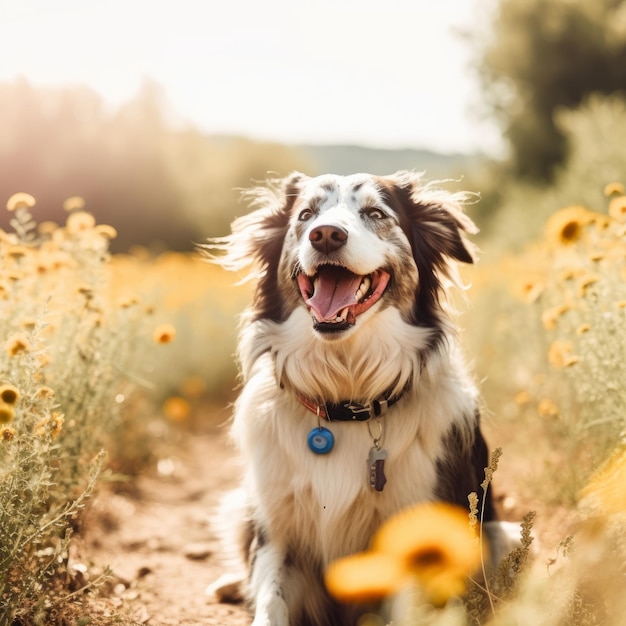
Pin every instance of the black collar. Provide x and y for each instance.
(348, 411)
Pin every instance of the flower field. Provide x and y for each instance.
(101, 354)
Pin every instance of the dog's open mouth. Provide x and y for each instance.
(336, 296)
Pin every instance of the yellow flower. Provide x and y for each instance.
(6, 413)
(9, 394)
(607, 488)
(44, 392)
(75, 203)
(530, 291)
(365, 577)
(17, 344)
(560, 354)
(566, 226)
(522, 397)
(17, 251)
(613, 188)
(551, 316)
(429, 544)
(547, 408)
(430, 537)
(79, 222)
(585, 282)
(58, 419)
(176, 409)
(617, 208)
(596, 256)
(20, 200)
(47, 227)
(164, 333)
(106, 231)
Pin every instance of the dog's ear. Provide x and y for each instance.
(435, 220)
(435, 225)
(256, 241)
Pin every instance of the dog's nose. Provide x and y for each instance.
(328, 238)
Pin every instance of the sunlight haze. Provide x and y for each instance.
(392, 74)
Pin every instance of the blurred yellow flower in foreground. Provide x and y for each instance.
(20, 200)
(566, 226)
(365, 577)
(429, 544)
(607, 488)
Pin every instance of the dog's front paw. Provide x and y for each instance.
(274, 613)
(227, 588)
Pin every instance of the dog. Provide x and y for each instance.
(356, 401)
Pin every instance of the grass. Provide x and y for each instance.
(100, 353)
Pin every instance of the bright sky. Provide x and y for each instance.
(391, 73)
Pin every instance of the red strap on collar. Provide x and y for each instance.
(348, 411)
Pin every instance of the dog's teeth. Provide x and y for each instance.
(363, 288)
(343, 315)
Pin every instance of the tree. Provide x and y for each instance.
(543, 55)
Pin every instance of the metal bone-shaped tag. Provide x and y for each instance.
(376, 467)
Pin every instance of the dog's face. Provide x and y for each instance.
(345, 247)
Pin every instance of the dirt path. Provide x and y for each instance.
(159, 542)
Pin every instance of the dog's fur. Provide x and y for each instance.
(302, 510)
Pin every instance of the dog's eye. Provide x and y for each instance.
(375, 214)
(305, 214)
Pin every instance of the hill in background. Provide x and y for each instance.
(350, 159)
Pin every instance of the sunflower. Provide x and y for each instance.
(365, 577)
(566, 226)
(607, 488)
(436, 545)
(429, 544)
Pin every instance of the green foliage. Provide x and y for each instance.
(513, 211)
(63, 388)
(541, 55)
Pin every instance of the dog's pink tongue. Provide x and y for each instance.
(335, 289)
